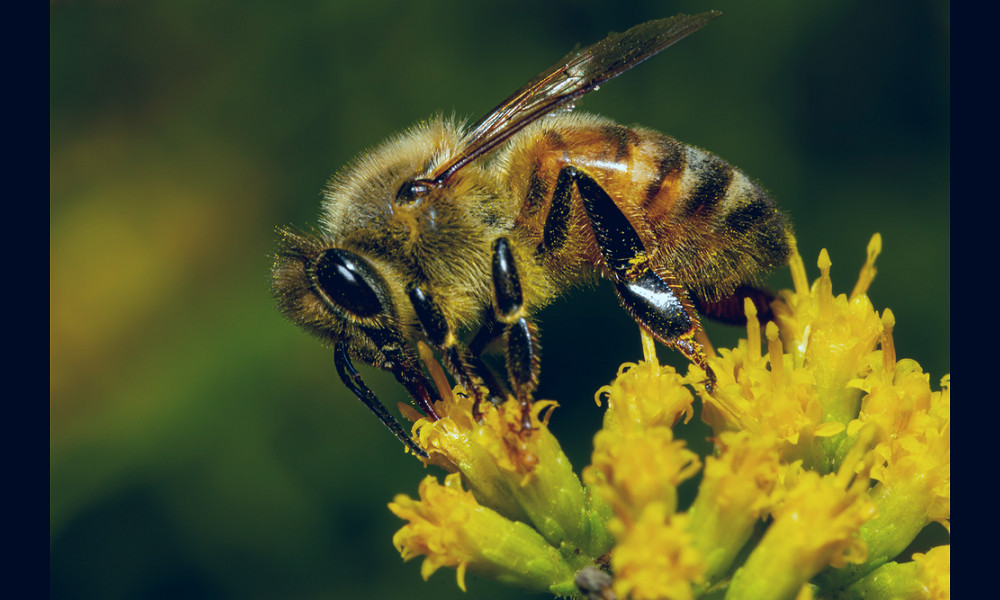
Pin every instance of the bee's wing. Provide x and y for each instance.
(576, 74)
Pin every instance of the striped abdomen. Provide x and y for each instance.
(699, 218)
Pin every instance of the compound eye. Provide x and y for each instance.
(345, 279)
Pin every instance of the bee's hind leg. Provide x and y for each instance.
(654, 299)
(520, 336)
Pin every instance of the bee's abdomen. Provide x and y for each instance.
(704, 186)
(697, 216)
(715, 227)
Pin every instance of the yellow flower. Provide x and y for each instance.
(736, 489)
(637, 465)
(645, 395)
(635, 469)
(654, 558)
(815, 526)
(913, 467)
(916, 422)
(935, 571)
(926, 577)
(523, 474)
(769, 396)
(451, 529)
(831, 335)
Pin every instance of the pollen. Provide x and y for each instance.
(637, 264)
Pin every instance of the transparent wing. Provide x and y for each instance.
(576, 74)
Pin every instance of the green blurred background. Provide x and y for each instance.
(201, 446)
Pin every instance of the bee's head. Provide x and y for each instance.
(344, 297)
(337, 295)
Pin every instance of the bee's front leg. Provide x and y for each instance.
(352, 379)
(459, 362)
(520, 335)
(655, 300)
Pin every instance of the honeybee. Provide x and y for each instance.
(446, 228)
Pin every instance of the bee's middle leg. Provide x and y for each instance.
(519, 333)
(491, 330)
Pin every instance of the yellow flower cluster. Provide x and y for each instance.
(636, 467)
(654, 557)
(526, 481)
(451, 528)
(830, 457)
